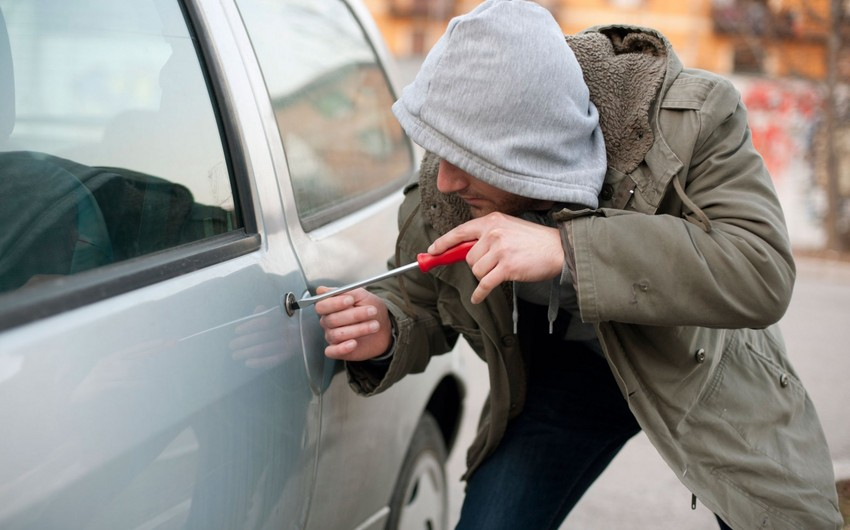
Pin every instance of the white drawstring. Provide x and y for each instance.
(515, 312)
(554, 302)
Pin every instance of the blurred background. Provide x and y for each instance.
(790, 59)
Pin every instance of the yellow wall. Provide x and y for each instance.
(688, 24)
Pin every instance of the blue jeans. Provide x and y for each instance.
(574, 422)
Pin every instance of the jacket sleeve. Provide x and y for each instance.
(664, 270)
(412, 302)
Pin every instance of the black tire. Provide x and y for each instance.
(420, 499)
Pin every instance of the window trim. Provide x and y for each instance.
(235, 158)
(59, 295)
(64, 294)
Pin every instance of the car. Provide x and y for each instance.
(171, 172)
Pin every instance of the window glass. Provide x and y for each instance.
(109, 144)
(332, 104)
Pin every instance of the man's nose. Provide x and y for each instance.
(451, 178)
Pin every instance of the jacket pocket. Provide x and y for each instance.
(761, 436)
(762, 401)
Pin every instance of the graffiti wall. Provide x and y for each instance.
(784, 119)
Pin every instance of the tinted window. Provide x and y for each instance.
(109, 145)
(332, 104)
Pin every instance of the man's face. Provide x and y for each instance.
(481, 197)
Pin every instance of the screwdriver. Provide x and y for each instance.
(424, 262)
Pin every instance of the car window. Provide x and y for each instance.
(110, 148)
(332, 104)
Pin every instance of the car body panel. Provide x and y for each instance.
(135, 381)
(188, 398)
(337, 253)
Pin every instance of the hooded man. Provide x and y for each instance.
(631, 263)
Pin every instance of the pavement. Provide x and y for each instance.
(638, 491)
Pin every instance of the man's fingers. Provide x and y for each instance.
(468, 231)
(486, 285)
(357, 325)
(486, 265)
(342, 350)
(338, 335)
(333, 304)
(341, 302)
(482, 261)
(348, 316)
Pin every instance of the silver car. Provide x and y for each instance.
(170, 170)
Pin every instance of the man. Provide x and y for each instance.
(615, 286)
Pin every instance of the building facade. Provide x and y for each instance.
(775, 38)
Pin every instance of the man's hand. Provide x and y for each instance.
(508, 249)
(357, 325)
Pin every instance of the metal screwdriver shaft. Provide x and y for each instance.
(424, 262)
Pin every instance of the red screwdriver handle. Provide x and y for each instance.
(453, 255)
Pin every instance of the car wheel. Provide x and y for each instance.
(420, 500)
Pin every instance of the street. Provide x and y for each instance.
(638, 491)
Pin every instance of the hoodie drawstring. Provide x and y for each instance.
(515, 311)
(554, 302)
(698, 216)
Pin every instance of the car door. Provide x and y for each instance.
(342, 156)
(342, 162)
(148, 376)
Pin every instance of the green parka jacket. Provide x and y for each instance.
(684, 270)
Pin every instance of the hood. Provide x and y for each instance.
(502, 96)
(624, 68)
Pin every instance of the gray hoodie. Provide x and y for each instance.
(535, 132)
